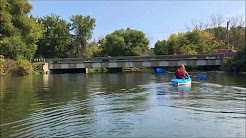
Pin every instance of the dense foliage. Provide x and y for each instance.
(236, 36)
(83, 27)
(2, 65)
(236, 63)
(19, 32)
(56, 40)
(59, 42)
(204, 40)
(193, 42)
(11, 67)
(125, 43)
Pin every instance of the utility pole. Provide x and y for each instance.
(228, 34)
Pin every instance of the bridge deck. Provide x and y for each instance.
(135, 58)
(136, 61)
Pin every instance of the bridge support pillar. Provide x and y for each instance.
(45, 68)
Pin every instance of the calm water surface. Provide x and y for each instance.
(122, 105)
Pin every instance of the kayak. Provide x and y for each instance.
(184, 81)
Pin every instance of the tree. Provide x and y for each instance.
(217, 20)
(236, 21)
(188, 49)
(162, 48)
(199, 24)
(176, 41)
(56, 41)
(237, 38)
(126, 43)
(94, 50)
(218, 32)
(237, 33)
(83, 27)
(193, 42)
(19, 32)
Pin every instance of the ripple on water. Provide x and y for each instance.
(203, 97)
(106, 111)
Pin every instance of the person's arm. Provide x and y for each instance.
(186, 74)
(176, 73)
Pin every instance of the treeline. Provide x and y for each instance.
(58, 42)
(205, 38)
(23, 37)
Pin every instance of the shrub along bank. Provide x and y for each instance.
(19, 67)
(236, 63)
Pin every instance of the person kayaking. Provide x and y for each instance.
(181, 72)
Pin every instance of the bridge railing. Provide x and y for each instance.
(38, 60)
(137, 58)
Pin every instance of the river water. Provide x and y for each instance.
(122, 105)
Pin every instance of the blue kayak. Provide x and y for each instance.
(181, 81)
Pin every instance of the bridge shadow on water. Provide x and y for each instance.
(63, 71)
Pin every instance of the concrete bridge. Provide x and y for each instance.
(135, 61)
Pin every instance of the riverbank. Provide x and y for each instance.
(20, 67)
(236, 63)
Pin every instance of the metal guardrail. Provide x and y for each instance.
(133, 58)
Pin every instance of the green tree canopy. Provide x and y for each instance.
(193, 42)
(125, 43)
(237, 38)
(83, 28)
(219, 33)
(19, 32)
(162, 48)
(56, 41)
(93, 49)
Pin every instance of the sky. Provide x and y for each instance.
(157, 19)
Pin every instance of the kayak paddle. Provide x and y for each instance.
(159, 70)
(200, 77)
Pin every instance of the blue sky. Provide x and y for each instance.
(158, 19)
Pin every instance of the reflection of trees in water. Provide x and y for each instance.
(19, 97)
(2, 89)
(64, 88)
(75, 102)
(19, 100)
(210, 97)
(113, 83)
(229, 79)
(28, 95)
(120, 99)
(122, 91)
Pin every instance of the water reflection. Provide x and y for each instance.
(124, 104)
(184, 90)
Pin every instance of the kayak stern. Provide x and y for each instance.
(181, 81)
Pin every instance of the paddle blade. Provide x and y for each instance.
(162, 71)
(202, 77)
